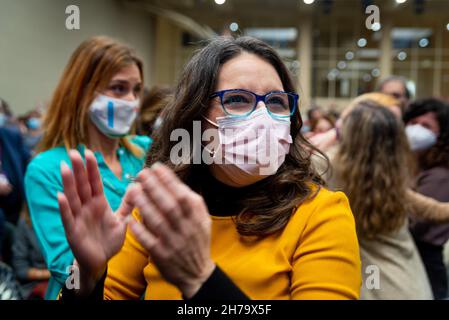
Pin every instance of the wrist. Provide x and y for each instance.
(88, 279)
(191, 287)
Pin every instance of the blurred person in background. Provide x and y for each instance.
(153, 103)
(94, 107)
(14, 157)
(27, 260)
(323, 124)
(417, 204)
(396, 87)
(427, 127)
(33, 132)
(313, 114)
(371, 167)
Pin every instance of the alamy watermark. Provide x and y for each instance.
(73, 21)
(372, 280)
(372, 22)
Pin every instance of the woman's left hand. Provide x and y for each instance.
(175, 228)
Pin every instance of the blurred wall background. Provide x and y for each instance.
(35, 46)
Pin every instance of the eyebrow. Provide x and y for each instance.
(121, 81)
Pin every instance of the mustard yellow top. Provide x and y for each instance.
(316, 256)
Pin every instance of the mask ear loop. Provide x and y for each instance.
(211, 152)
(210, 121)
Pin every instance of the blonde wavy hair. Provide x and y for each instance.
(371, 167)
(382, 99)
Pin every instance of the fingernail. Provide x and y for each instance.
(64, 165)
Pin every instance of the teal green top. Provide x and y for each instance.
(42, 183)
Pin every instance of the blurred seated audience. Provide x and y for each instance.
(323, 124)
(313, 114)
(31, 128)
(9, 287)
(27, 261)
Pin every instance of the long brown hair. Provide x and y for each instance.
(264, 207)
(371, 167)
(90, 69)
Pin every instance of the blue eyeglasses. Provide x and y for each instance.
(240, 102)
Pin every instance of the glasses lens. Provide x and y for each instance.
(280, 104)
(238, 102)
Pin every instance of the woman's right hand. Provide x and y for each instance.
(94, 232)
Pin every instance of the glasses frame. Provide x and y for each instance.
(259, 98)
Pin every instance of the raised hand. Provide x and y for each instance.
(176, 228)
(94, 232)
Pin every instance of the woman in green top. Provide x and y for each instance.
(93, 109)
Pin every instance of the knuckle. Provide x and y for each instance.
(196, 199)
(181, 197)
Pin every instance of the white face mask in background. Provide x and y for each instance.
(113, 117)
(420, 138)
(252, 147)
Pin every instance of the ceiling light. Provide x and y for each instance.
(362, 42)
(234, 26)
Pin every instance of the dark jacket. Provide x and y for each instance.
(14, 156)
(433, 183)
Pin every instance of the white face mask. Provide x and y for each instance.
(252, 147)
(113, 117)
(420, 138)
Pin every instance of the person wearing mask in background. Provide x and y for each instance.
(27, 260)
(33, 129)
(371, 167)
(396, 87)
(153, 103)
(272, 216)
(93, 108)
(427, 127)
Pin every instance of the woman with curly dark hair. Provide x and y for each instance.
(427, 126)
(238, 229)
